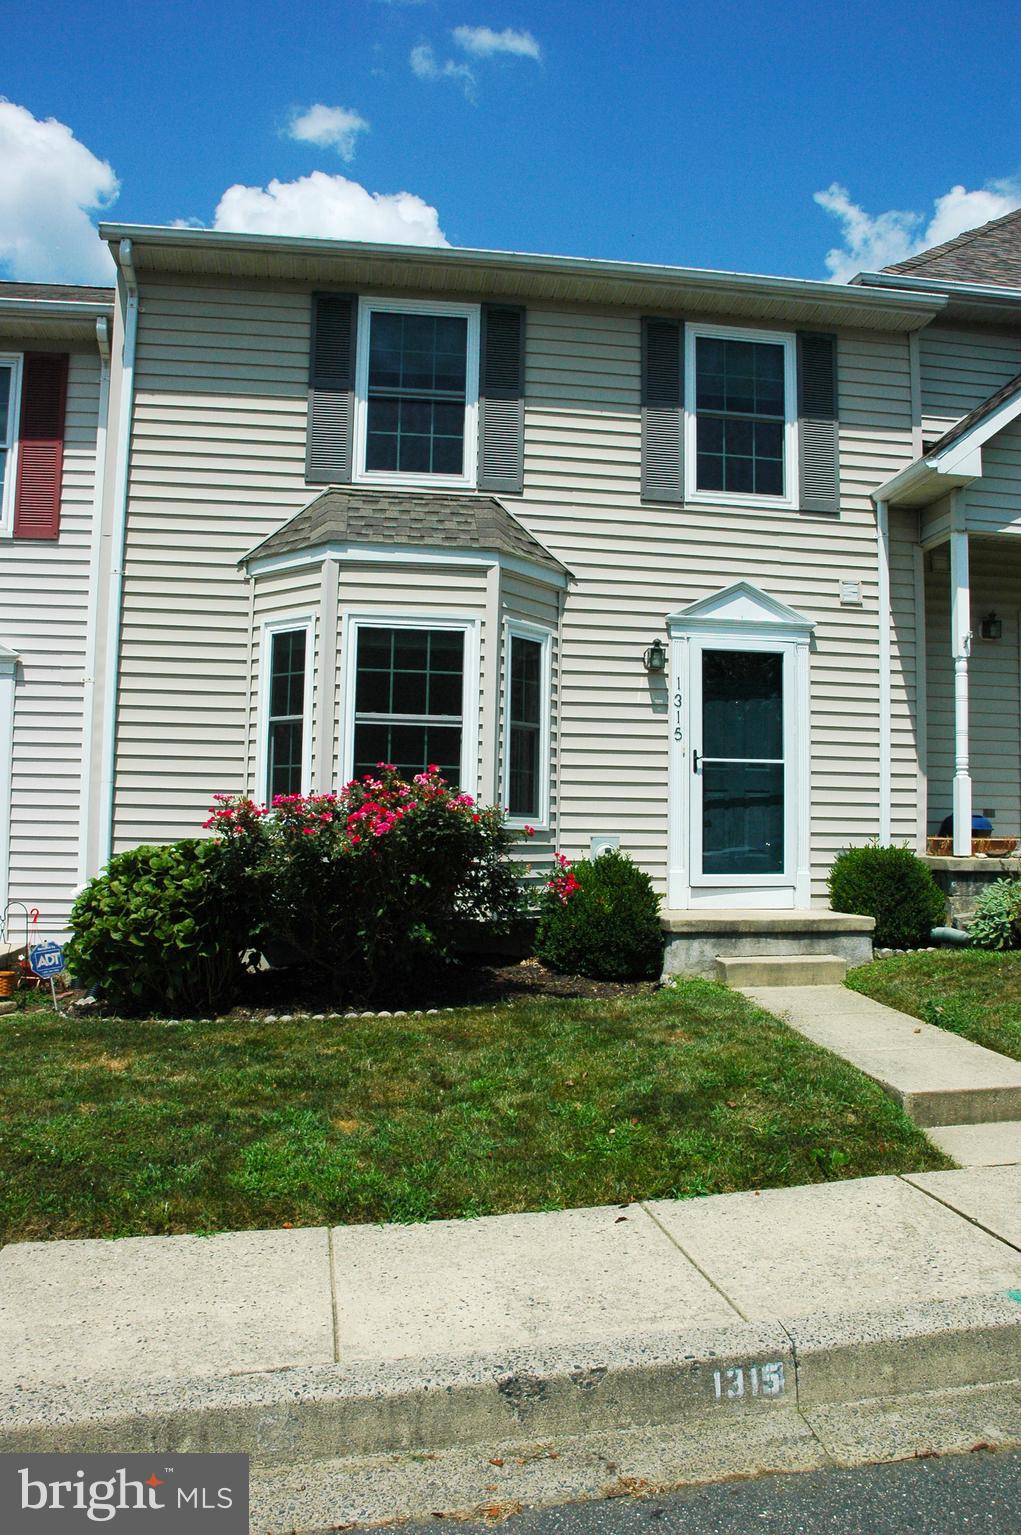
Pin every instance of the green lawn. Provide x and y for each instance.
(970, 991)
(111, 1128)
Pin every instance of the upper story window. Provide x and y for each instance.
(741, 416)
(10, 391)
(417, 386)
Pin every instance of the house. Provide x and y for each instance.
(54, 377)
(653, 555)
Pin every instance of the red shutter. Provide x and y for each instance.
(40, 445)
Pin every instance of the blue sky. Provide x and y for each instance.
(696, 134)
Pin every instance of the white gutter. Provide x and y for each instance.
(118, 536)
(935, 286)
(92, 620)
(563, 268)
(54, 309)
(885, 681)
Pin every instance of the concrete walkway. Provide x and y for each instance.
(738, 1331)
(969, 1097)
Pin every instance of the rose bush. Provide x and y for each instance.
(370, 885)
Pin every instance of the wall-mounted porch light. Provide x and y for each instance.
(991, 627)
(655, 657)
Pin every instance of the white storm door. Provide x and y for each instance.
(743, 763)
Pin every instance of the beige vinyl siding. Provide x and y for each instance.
(934, 522)
(994, 688)
(907, 636)
(961, 368)
(44, 594)
(635, 564)
(276, 596)
(218, 463)
(993, 502)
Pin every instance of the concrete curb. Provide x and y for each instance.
(695, 1376)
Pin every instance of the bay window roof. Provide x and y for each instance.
(426, 520)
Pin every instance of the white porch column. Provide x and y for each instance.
(960, 593)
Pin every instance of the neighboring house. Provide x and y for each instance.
(954, 515)
(54, 356)
(635, 550)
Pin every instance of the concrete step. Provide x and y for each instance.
(938, 1077)
(990, 1145)
(695, 939)
(781, 969)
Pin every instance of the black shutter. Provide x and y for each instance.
(662, 410)
(502, 399)
(818, 443)
(331, 389)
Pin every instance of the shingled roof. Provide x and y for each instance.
(990, 254)
(963, 427)
(417, 519)
(61, 292)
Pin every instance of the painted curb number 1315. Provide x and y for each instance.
(756, 1380)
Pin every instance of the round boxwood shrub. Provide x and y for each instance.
(600, 918)
(159, 931)
(892, 885)
(996, 923)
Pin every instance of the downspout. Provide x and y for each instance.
(92, 618)
(885, 681)
(118, 538)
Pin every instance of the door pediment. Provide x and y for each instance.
(741, 607)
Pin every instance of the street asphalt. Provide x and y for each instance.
(956, 1495)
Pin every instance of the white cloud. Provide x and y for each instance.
(329, 127)
(330, 207)
(49, 183)
(483, 42)
(872, 241)
(426, 66)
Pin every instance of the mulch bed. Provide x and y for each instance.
(471, 984)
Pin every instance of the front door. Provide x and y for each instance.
(742, 772)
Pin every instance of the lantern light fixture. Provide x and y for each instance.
(655, 657)
(991, 627)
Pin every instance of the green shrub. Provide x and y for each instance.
(371, 886)
(159, 931)
(892, 885)
(997, 920)
(601, 919)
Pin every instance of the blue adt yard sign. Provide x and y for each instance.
(46, 959)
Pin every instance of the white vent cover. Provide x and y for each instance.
(850, 592)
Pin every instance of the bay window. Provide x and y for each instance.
(410, 699)
(526, 728)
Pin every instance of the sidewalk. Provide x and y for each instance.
(378, 1371)
(967, 1098)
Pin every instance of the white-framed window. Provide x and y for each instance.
(416, 393)
(10, 403)
(741, 416)
(525, 780)
(411, 695)
(285, 706)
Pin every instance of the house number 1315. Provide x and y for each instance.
(755, 1380)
